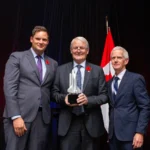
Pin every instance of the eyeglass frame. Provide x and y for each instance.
(79, 48)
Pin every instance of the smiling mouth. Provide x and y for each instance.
(41, 46)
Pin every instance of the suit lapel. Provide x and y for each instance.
(48, 68)
(122, 84)
(87, 74)
(33, 64)
(121, 87)
(110, 93)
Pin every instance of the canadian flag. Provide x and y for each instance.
(108, 71)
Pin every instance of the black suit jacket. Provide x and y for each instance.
(94, 88)
(130, 112)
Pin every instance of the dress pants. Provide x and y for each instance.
(115, 144)
(78, 138)
(36, 137)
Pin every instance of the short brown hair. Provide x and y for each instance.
(38, 29)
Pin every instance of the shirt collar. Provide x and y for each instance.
(34, 54)
(121, 74)
(82, 64)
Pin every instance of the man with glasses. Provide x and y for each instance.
(81, 124)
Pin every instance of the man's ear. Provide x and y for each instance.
(126, 61)
(87, 51)
(31, 39)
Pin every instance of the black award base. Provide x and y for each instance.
(72, 98)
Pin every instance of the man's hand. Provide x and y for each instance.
(82, 99)
(138, 140)
(19, 126)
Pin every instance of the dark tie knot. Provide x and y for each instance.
(116, 79)
(79, 66)
(38, 56)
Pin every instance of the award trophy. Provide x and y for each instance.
(73, 89)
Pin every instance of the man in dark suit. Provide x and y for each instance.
(80, 131)
(27, 85)
(129, 105)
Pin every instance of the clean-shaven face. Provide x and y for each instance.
(118, 61)
(39, 41)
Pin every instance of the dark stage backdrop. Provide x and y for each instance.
(66, 19)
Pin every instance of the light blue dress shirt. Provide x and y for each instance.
(43, 72)
(120, 76)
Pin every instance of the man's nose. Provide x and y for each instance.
(78, 48)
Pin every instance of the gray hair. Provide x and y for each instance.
(125, 53)
(82, 39)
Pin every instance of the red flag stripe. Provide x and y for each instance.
(105, 62)
(109, 72)
(109, 45)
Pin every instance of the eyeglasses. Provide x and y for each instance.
(79, 48)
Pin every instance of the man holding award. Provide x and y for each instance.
(80, 89)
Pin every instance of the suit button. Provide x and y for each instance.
(86, 114)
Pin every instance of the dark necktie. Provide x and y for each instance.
(39, 66)
(115, 86)
(78, 110)
(78, 76)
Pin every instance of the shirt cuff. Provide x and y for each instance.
(14, 117)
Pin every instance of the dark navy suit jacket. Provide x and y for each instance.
(130, 111)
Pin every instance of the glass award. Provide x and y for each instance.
(73, 89)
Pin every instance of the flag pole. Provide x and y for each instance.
(107, 24)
